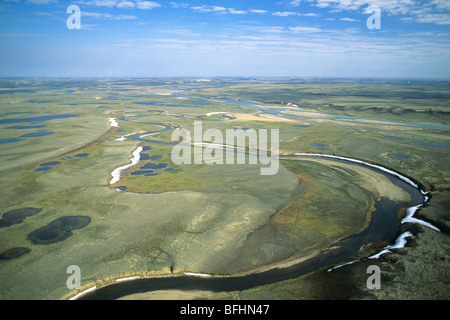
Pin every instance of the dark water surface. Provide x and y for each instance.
(17, 216)
(58, 230)
(36, 119)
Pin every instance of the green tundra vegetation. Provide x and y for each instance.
(60, 145)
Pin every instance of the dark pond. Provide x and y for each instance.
(81, 155)
(50, 163)
(140, 172)
(39, 126)
(10, 140)
(14, 253)
(43, 169)
(17, 216)
(37, 119)
(58, 230)
(394, 138)
(154, 166)
(432, 145)
(144, 156)
(400, 156)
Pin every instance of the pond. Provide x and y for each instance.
(58, 230)
(400, 156)
(37, 119)
(17, 216)
(10, 140)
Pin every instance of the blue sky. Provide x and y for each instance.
(303, 38)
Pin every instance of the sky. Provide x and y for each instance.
(226, 38)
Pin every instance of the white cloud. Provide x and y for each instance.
(125, 4)
(441, 4)
(269, 29)
(304, 29)
(98, 3)
(147, 5)
(349, 19)
(92, 14)
(430, 11)
(285, 13)
(205, 9)
(258, 11)
(97, 15)
(442, 19)
(233, 11)
(123, 17)
(295, 3)
(179, 5)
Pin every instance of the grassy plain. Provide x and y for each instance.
(220, 219)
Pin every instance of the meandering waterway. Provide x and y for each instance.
(384, 225)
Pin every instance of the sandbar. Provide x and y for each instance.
(116, 173)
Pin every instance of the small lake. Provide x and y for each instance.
(81, 155)
(58, 230)
(17, 216)
(50, 163)
(36, 119)
(400, 156)
(320, 146)
(10, 140)
(39, 126)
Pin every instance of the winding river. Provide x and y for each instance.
(384, 225)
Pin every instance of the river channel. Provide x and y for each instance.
(384, 225)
